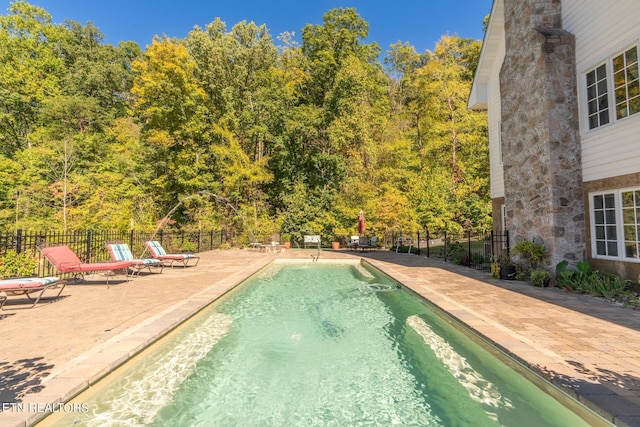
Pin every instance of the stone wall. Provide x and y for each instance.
(541, 141)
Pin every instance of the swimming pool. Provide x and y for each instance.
(322, 344)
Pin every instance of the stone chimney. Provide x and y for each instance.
(540, 134)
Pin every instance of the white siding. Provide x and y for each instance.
(602, 29)
(494, 106)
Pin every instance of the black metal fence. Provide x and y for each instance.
(474, 250)
(90, 246)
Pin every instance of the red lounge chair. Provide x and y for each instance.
(28, 286)
(157, 251)
(66, 261)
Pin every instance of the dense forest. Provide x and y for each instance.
(237, 130)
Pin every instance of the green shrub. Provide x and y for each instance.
(187, 246)
(571, 279)
(596, 283)
(540, 278)
(15, 264)
(531, 254)
(495, 270)
(608, 285)
(478, 259)
(457, 254)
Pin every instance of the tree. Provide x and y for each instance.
(99, 71)
(225, 128)
(66, 144)
(327, 46)
(402, 60)
(30, 71)
(170, 106)
(455, 138)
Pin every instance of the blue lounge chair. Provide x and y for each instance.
(157, 251)
(122, 252)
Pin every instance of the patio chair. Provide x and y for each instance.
(370, 243)
(402, 242)
(66, 261)
(312, 240)
(122, 252)
(157, 251)
(363, 242)
(27, 286)
(350, 243)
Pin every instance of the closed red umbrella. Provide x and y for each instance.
(361, 223)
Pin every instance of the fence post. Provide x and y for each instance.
(469, 246)
(88, 249)
(199, 239)
(493, 242)
(506, 236)
(445, 245)
(19, 240)
(418, 241)
(427, 232)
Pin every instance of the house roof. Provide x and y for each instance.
(490, 47)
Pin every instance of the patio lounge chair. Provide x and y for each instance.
(66, 261)
(27, 286)
(122, 252)
(157, 251)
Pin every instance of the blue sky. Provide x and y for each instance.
(419, 22)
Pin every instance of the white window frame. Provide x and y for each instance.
(626, 66)
(610, 89)
(619, 218)
(599, 110)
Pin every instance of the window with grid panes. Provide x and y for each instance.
(626, 83)
(604, 217)
(630, 215)
(598, 97)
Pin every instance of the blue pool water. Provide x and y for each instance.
(313, 344)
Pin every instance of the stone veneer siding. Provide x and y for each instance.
(541, 141)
